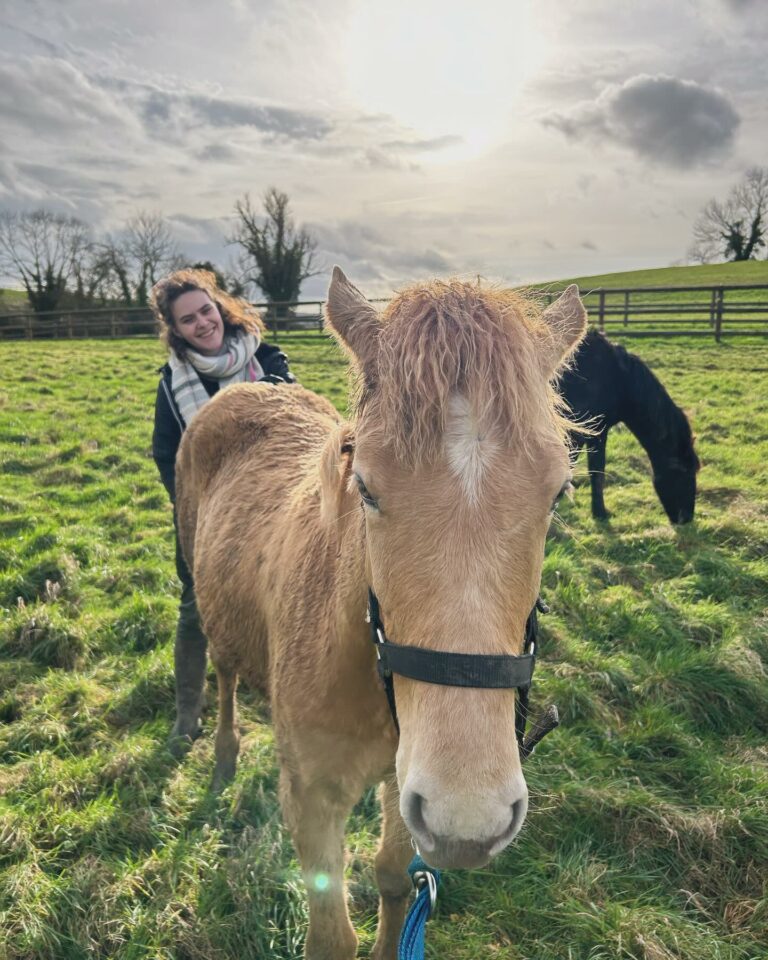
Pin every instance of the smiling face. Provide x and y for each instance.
(197, 320)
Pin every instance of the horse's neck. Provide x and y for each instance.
(351, 587)
(648, 410)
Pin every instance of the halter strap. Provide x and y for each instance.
(456, 669)
(486, 671)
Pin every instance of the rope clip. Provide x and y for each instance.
(422, 877)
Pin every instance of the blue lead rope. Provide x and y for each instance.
(426, 880)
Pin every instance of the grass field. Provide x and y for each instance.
(647, 836)
(750, 271)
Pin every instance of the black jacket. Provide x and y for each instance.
(169, 425)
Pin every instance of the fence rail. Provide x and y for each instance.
(712, 311)
(718, 311)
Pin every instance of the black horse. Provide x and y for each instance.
(608, 385)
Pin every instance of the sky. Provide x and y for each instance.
(522, 141)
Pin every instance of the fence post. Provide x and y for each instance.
(28, 325)
(713, 307)
(626, 308)
(719, 313)
(601, 311)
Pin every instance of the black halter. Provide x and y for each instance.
(489, 671)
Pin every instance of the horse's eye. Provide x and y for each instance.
(365, 493)
(566, 489)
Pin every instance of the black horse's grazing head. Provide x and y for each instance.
(674, 475)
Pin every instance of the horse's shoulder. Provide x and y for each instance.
(247, 418)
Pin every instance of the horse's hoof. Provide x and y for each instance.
(182, 737)
(223, 775)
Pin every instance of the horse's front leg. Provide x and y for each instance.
(596, 464)
(316, 815)
(395, 853)
(227, 733)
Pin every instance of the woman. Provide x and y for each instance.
(214, 341)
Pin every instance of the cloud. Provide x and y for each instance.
(671, 121)
(376, 254)
(170, 112)
(33, 40)
(54, 179)
(379, 159)
(218, 153)
(275, 121)
(424, 146)
(49, 94)
(398, 154)
(203, 238)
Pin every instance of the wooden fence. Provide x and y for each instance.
(716, 311)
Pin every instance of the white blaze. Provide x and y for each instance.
(468, 452)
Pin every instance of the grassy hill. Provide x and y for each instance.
(752, 271)
(643, 312)
(647, 837)
(12, 300)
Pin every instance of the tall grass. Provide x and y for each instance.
(647, 836)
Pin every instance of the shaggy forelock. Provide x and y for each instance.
(444, 338)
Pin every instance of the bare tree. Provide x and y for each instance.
(105, 274)
(115, 264)
(123, 267)
(279, 257)
(44, 251)
(149, 243)
(735, 228)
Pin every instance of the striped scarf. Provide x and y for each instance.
(237, 364)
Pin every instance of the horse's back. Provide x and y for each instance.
(239, 465)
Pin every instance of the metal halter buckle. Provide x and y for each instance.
(421, 877)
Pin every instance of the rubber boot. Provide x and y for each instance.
(189, 665)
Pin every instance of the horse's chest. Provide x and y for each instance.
(335, 716)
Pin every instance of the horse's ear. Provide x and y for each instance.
(566, 319)
(351, 317)
(335, 469)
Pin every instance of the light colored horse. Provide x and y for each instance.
(438, 495)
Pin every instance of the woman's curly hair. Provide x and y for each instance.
(237, 314)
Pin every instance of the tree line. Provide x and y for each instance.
(61, 265)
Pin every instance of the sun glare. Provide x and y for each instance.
(443, 67)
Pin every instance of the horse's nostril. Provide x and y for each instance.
(519, 810)
(416, 811)
(414, 817)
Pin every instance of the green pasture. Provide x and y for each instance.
(647, 836)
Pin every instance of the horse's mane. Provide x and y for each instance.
(443, 338)
(651, 401)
